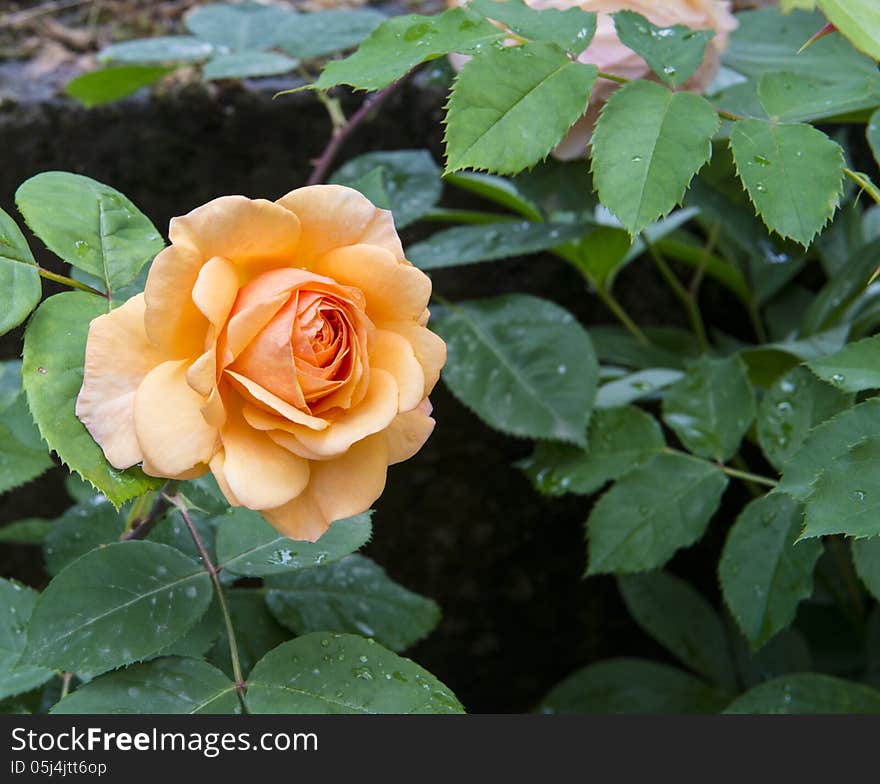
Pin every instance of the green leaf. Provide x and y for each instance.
(402, 42)
(16, 604)
(238, 26)
(632, 686)
(517, 196)
(619, 440)
(249, 546)
(116, 605)
(807, 692)
(54, 348)
(826, 443)
(24, 456)
(670, 347)
(200, 637)
(325, 32)
(673, 53)
(510, 107)
(20, 288)
(866, 559)
(636, 386)
(648, 144)
(161, 49)
(410, 179)
(168, 685)
(858, 20)
(792, 173)
(796, 403)
(522, 364)
(601, 254)
(29, 530)
(711, 408)
(110, 84)
(351, 595)
(795, 97)
(341, 673)
(873, 133)
(247, 64)
(89, 225)
(257, 632)
(845, 498)
(651, 513)
(854, 368)
(571, 29)
(489, 242)
(80, 529)
(787, 652)
(682, 621)
(764, 574)
(174, 532)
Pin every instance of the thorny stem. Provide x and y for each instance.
(63, 279)
(213, 571)
(341, 134)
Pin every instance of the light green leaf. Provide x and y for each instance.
(20, 288)
(858, 20)
(510, 107)
(256, 631)
(674, 53)
(161, 49)
(249, 546)
(489, 242)
(325, 32)
(89, 225)
(116, 605)
(571, 29)
(619, 440)
(522, 364)
(854, 368)
(518, 195)
(351, 595)
(341, 673)
(247, 64)
(16, 604)
(110, 84)
(845, 497)
(866, 559)
(653, 511)
(54, 348)
(24, 456)
(764, 574)
(402, 42)
(239, 26)
(601, 254)
(29, 530)
(168, 685)
(795, 404)
(648, 144)
(826, 443)
(793, 175)
(632, 686)
(636, 386)
(682, 621)
(410, 179)
(711, 408)
(807, 692)
(81, 528)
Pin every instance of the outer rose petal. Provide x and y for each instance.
(393, 291)
(430, 350)
(333, 216)
(118, 356)
(338, 488)
(407, 434)
(171, 430)
(393, 352)
(258, 472)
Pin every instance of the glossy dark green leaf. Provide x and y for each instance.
(24, 455)
(635, 386)
(16, 604)
(807, 692)
(854, 368)
(866, 559)
(81, 528)
(29, 530)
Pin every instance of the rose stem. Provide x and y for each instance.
(341, 134)
(213, 571)
(74, 284)
(140, 529)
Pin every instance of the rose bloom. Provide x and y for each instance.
(282, 345)
(611, 56)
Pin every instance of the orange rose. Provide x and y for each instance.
(282, 345)
(610, 55)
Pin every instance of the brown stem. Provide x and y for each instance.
(340, 135)
(142, 528)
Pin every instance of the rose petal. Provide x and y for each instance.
(430, 350)
(394, 353)
(333, 216)
(408, 433)
(171, 430)
(275, 403)
(217, 468)
(215, 290)
(118, 356)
